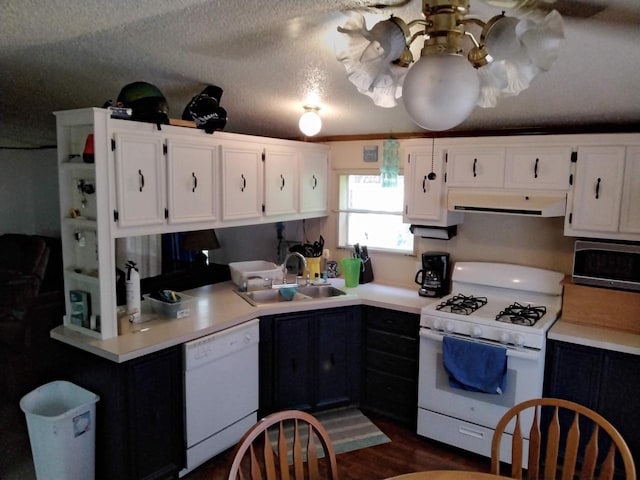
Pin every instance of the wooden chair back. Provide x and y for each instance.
(592, 461)
(290, 452)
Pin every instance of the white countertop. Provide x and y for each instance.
(218, 308)
(598, 337)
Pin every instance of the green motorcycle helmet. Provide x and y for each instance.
(146, 101)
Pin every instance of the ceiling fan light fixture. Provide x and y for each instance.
(455, 72)
(310, 122)
(441, 91)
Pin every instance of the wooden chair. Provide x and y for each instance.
(255, 451)
(603, 434)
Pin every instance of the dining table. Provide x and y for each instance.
(448, 475)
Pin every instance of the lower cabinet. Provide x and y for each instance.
(139, 426)
(390, 375)
(602, 380)
(309, 360)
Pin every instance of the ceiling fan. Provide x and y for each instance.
(440, 87)
(604, 11)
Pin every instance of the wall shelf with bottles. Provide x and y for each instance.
(86, 240)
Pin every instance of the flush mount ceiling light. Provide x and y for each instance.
(310, 122)
(455, 71)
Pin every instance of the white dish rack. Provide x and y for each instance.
(242, 272)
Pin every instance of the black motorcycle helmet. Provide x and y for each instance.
(147, 102)
(205, 110)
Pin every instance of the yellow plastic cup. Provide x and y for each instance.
(351, 271)
(313, 265)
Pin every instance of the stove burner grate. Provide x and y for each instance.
(462, 304)
(521, 315)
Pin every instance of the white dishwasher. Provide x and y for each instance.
(220, 391)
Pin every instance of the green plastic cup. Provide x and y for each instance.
(351, 271)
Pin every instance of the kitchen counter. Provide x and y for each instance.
(219, 307)
(594, 336)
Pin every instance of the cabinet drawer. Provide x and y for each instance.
(390, 343)
(394, 322)
(391, 396)
(392, 364)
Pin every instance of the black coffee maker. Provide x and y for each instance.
(433, 278)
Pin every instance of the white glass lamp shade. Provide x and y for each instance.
(440, 91)
(310, 122)
(501, 39)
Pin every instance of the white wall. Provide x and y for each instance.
(29, 192)
(537, 242)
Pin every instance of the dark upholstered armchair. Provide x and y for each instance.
(31, 304)
(23, 261)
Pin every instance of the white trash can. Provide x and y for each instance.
(61, 419)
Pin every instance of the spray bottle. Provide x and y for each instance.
(133, 291)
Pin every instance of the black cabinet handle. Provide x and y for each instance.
(315, 181)
(141, 180)
(281, 182)
(333, 360)
(195, 182)
(598, 188)
(535, 169)
(244, 182)
(475, 162)
(424, 184)
(294, 365)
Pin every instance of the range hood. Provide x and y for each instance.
(534, 204)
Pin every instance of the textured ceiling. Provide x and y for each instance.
(267, 55)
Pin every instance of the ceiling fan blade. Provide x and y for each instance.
(595, 10)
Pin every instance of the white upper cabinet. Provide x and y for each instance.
(538, 168)
(241, 181)
(314, 168)
(140, 179)
(630, 208)
(280, 181)
(425, 197)
(475, 167)
(598, 192)
(192, 181)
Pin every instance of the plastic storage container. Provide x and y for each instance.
(243, 271)
(61, 419)
(181, 309)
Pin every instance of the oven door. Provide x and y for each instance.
(463, 418)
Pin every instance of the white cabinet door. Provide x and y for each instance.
(543, 168)
(630, 208)
(241, 182)
(140, 182)
(313, 182)
(193, 185)
(476, 167)
(424, 193)
(598, 189)
(280, 181)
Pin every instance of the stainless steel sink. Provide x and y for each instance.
(270, 296)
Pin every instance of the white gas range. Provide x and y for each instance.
(504, 306)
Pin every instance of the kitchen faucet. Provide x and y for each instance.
(284, 267)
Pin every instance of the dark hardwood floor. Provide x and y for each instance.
(407, 452)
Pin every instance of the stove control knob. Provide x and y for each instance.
(518, 340)
(504, 337)
(476, 332)
(450, 327)
(437, 324)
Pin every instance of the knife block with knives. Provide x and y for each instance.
(366, 270)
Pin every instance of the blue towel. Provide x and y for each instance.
(475, 366)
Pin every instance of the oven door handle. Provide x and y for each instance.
(511, 351)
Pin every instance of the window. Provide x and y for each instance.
(371, 214)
